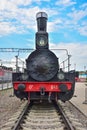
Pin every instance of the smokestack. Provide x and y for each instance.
(41, 21)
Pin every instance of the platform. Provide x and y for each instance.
(80, 96)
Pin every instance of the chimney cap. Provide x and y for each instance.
(41, 14)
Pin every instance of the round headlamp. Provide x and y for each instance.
(42, 41)
(61, 76)
(24, 76)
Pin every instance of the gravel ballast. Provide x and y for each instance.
(8, 105)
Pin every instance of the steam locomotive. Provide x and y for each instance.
(43, 79)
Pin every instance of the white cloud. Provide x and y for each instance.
(6, 28)
(54, 25)
(21, 19)
(83, 30)
(77, 15)
(21, 2)
(13, 4)
(65, 2)
(77, 51)
(78, 21)
(18, 20)
(51, 27)
(5, 4)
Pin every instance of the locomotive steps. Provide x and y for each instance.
(41, 116)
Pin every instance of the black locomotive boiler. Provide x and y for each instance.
(43, 79)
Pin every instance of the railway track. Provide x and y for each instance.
(43, 116)
(78, 113)
(76, 108)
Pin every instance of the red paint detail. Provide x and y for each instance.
(35, 86)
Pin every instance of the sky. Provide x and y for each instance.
(67, 27)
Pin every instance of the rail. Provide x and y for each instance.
(22, 114)
(65, 118)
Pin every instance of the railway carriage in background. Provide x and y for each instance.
(43, 79)
(5, 74)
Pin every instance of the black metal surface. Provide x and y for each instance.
(65, 96)
(42, 65)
